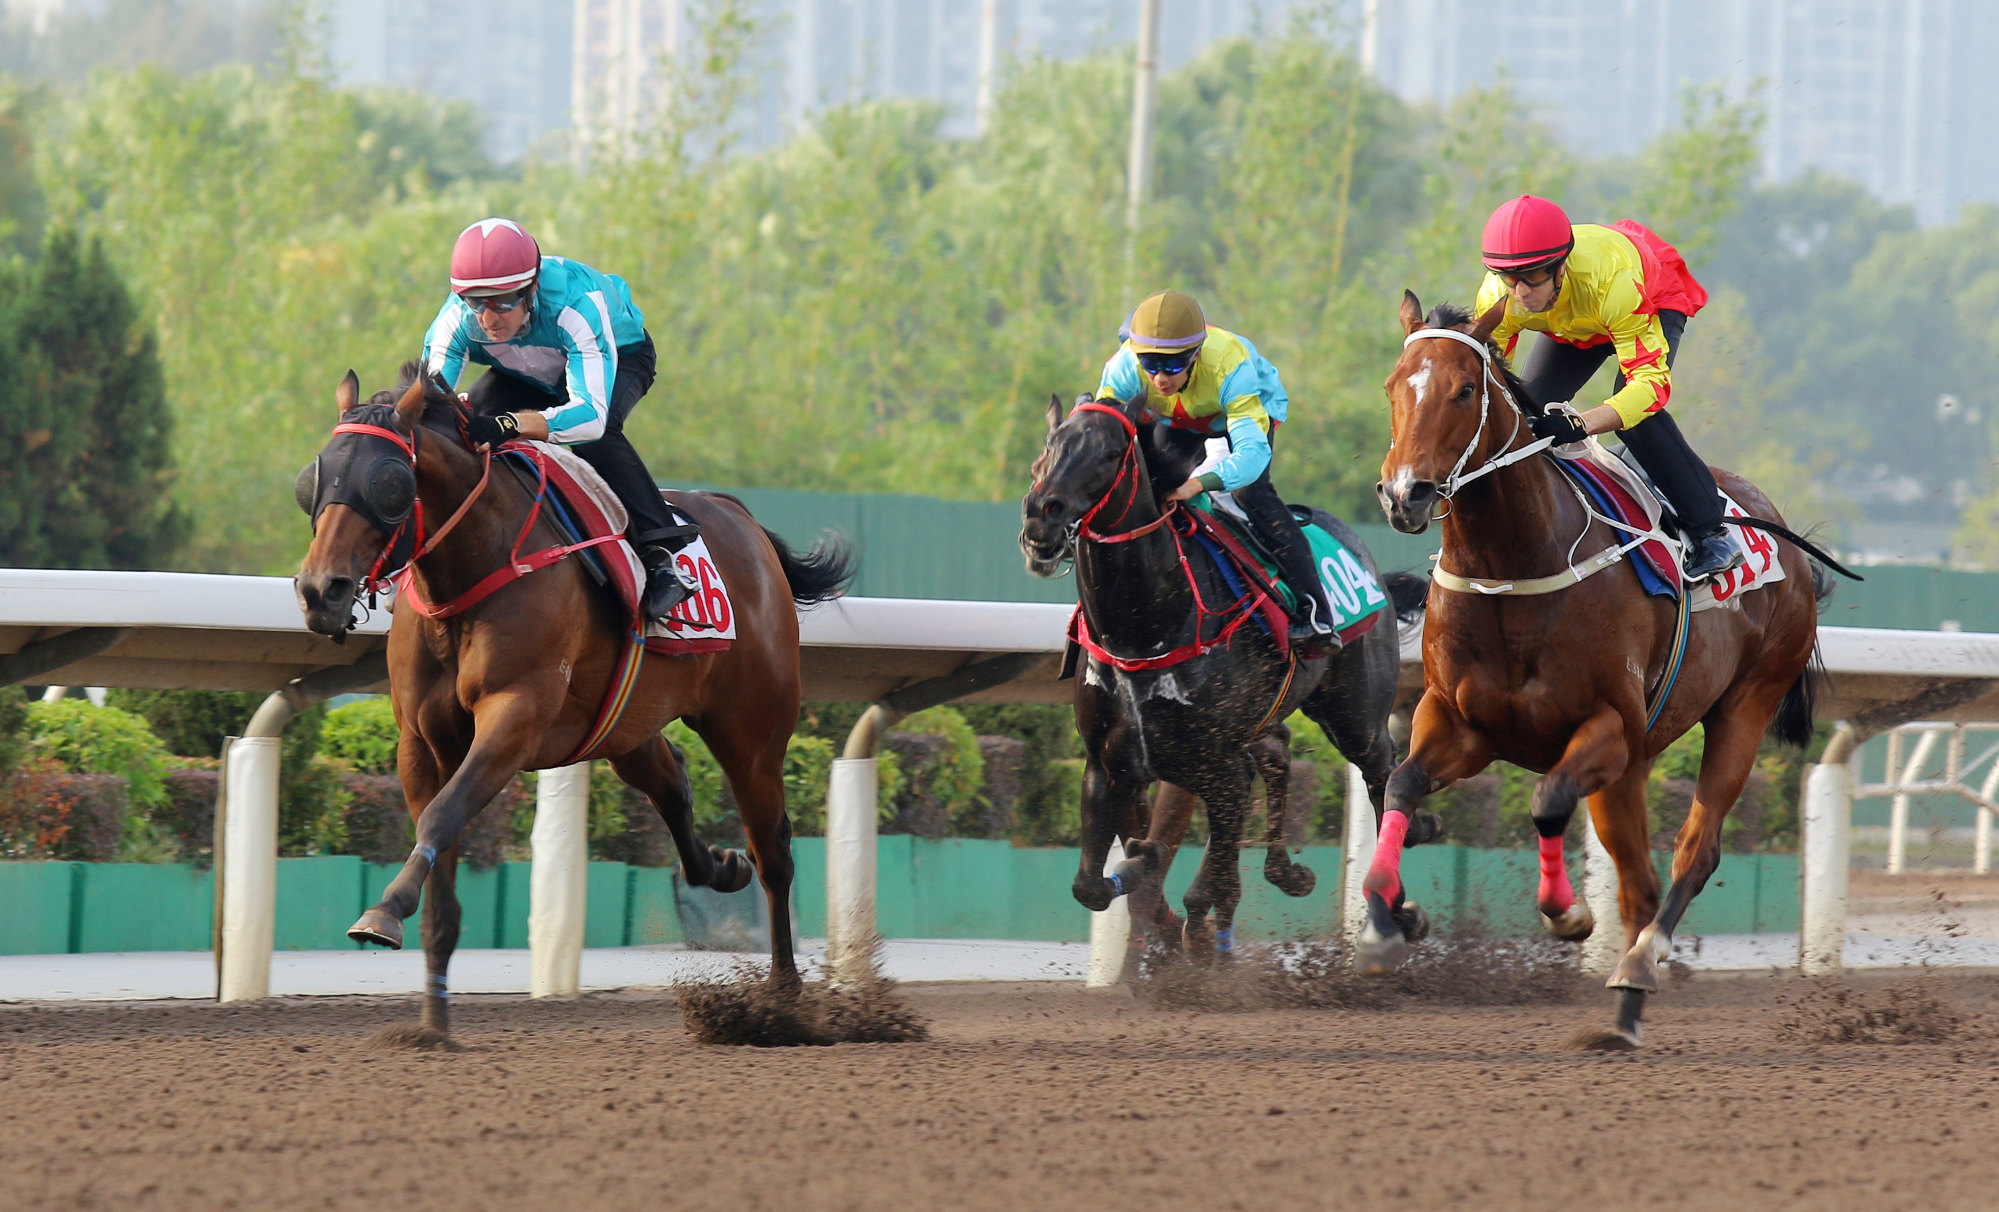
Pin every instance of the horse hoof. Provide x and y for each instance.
(1639, 969)
(1197, 938)
(1382, 946)
(1131, 873)
(1573, 926)
(1411, 920)
(1423, 827)
(733, 870)
(1602, 1039)
(380, 927)
(1292, 879)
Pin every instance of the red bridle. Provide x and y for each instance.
(375, 580)
(1127, 471)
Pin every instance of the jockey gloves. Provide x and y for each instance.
(1167, 322)
(493, 430)
(1526, 233)
(494, 257)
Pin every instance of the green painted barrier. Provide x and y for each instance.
(38, 901)
(144, 907)
(950, 888)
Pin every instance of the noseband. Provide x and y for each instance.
(1458, 476)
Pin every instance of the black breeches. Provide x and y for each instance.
(1556, 372)
(1280, 531)
(613, 455)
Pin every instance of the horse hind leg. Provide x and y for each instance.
(659, 770)
(1271, 753)
(750, 745)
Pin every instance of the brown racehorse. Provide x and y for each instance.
(1558, 682)
(515, 682)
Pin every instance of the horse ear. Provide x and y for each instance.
(1411, 313)
(1054, 411)
(348, 394)
(1490, 320)
(410, 407)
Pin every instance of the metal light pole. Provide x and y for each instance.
(1144, 97)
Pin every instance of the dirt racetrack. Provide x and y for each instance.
(1025, 1097)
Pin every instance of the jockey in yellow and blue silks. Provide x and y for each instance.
(1211, 381)
(571, 358)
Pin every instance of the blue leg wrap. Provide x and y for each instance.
(436, 985)
(1225, 939)
(1117, 884)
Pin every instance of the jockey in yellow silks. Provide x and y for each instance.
(1594, 291)
(1207, 380)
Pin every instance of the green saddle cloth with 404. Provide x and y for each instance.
(1355, 593)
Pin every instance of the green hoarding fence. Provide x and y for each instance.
(921, 547)
(954, 888)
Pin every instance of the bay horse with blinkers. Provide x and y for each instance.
(518, 679)
(1555, 675)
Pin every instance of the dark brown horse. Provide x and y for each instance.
(1557, 680)
(515, 682)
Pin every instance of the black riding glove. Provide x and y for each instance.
(1564, 427)
(493, 430)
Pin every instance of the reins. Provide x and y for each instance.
(1127, 469)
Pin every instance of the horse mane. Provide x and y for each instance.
(1170, 454)
(440, 404)
(1458, 316)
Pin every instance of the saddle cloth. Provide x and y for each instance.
(1623, 492)
(581, 503)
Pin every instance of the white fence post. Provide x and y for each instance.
(1898, 816)
(1358, 856)
(250, 869)
(1825, 853)
(558, 880)
(850, 867)
(1605, 945)
(1110, 931)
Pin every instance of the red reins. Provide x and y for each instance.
(1127, 470)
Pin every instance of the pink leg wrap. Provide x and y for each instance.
(1384, 875)
(1556, 894)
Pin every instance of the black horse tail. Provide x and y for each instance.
(1410, 593)
(1793, 723)
(819, 575)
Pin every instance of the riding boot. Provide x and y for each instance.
(1689, 485)
(1312, 622)
(654, 533)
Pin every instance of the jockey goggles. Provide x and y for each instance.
(499, 305)
(1168, 362)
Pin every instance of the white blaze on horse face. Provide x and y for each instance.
(1405, 478)
(1420, 381)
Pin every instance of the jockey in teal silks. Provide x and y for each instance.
(1210, 381)
(570, 358)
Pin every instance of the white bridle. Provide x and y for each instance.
(1458, 477)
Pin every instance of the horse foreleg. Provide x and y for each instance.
(1144, 873)
(1443, 749)
(1596, 756)
(504, 739)
(1224, 788)
(1109, 806)
(440, 938)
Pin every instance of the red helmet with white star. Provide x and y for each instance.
(494, 257)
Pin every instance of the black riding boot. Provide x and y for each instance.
(1688, 483)
(653, 531)
(1312, 623)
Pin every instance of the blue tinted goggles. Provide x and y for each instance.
(1172, 363)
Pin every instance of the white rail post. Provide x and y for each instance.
(250, 869)
(1825, 851)
(1606, 944)
(1898, 817)
(558, 880)
(850, 867)
(1110, 931)
(1981, 851)
(1358, 856)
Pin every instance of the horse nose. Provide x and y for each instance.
(1052, 509)
(1408, 503)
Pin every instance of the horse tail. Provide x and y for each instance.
(819, 575)
(1409, 591)
(1793, 723)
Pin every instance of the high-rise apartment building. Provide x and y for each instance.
(1897, 95)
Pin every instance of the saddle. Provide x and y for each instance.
(1618, 487)
(583, 506)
